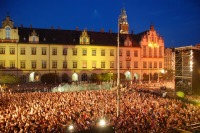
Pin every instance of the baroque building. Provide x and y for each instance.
(74, 55)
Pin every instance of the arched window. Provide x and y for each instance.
(8, 32)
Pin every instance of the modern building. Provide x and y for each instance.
(74, 55)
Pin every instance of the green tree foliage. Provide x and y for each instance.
(8, 79)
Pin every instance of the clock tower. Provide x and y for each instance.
(123, 23)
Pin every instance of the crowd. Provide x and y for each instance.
(49, 112)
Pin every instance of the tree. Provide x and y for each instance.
(8, 79)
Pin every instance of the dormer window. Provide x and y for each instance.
(84, 38)
(33, 38)
(8, 32)
(128, 42)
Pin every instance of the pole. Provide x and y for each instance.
(118, 74)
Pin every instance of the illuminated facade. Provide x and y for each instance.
(32, 52)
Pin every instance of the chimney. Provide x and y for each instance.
(110, 31)
(31, 26)
(76, 28)
(21, 25)
(58, 27)
(52, 27)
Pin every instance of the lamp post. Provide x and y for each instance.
(118, 72)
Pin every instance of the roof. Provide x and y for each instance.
(71, 37)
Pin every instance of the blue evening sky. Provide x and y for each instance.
(177, 21)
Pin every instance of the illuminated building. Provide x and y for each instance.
(31, 52)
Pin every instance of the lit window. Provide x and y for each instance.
(84, 64)
(12, 50)
(2, 64)
(8, 32)
(128, 53)
(103, 52)
(111, 64)
(54, 51)
(84, 52)
(44, 64)
(64, 64)
(135, 64)
(111, 52)
(103, 64)
(74, 64)
(22, 64)
(93, 64)
(74, 51)
(33, 64)
(44, 51)
(2, 50)
(12, 64)
(33, 51)
(54, 64)
(64, 51)
(93, 52)
(22, 51)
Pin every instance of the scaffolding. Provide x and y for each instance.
(187, 69)
(183, 69)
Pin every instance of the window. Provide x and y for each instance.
(94, 64)
(2, 64)
(160, 64)
(135, 53)
(54, 64)
(74, 64)
(44, 64)
(135, 64)
(128, 53)
(22, 64)
(44, 51)
(12, 64)
(54, 51)
(22, 51)
(33, 51)
(112, 52)
(150, 64)
(2, 50)
(160, 51)
(94, 52)
(128, 64)
(64, 64)
(84, 52)
(8, 32)
(155, 52)
(84, 64)
(74, 51)
(155, 64)
(120, 52)
(150, 52)
(120, 64)
(12, 50)
(111, 64)
(64, 51)
(103, 52)
(33, 64)
(144, 64)
(103, 64)
(144, 51)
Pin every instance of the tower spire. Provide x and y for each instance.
(123, 23)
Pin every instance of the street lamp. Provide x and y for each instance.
(118, 72)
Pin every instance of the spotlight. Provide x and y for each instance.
(71, 128)
(102, 123)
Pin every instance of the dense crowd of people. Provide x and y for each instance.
(55, 111)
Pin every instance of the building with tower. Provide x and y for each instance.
(74, 55)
